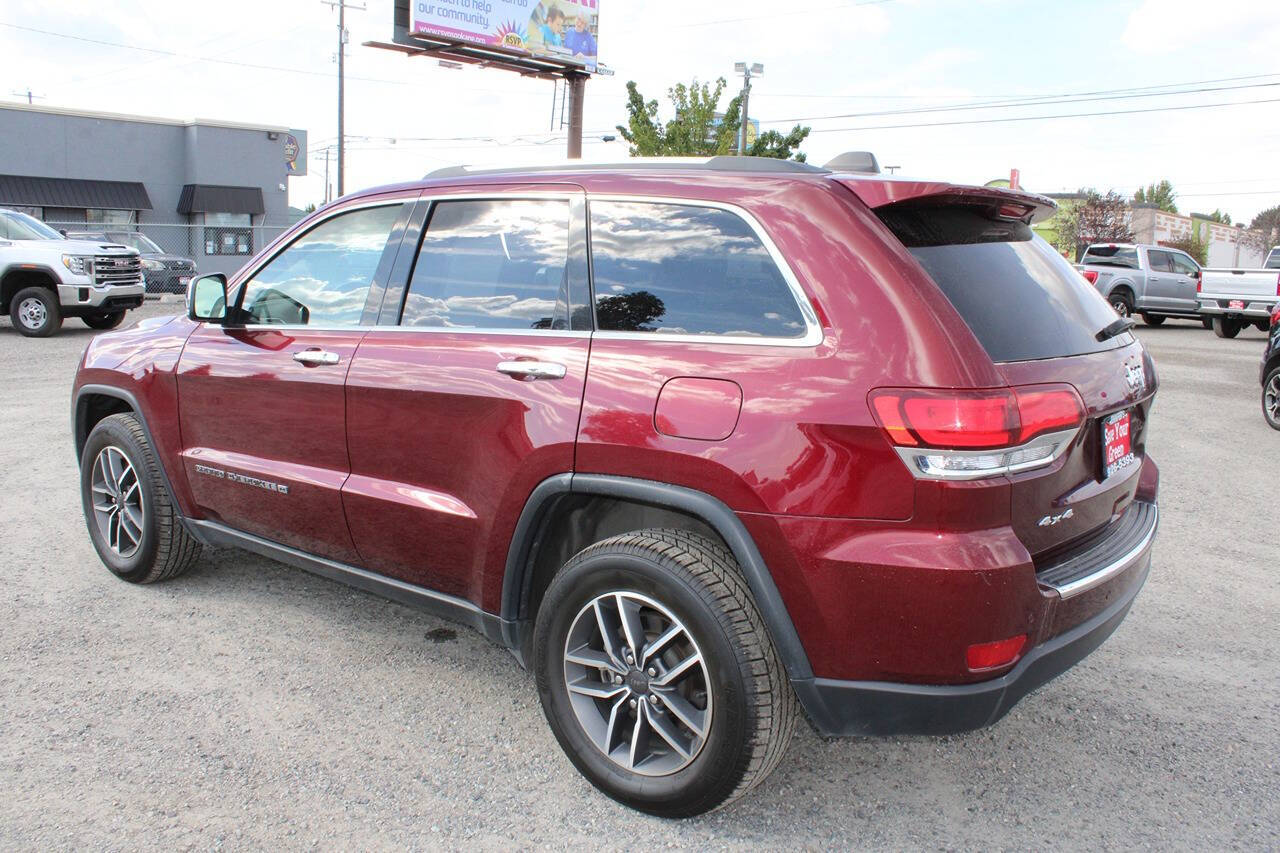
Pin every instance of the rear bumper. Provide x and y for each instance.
(1256, 307)
(839, 708)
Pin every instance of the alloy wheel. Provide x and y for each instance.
(638, 683)
(117, 501)
(32, 313)
(1271, 398)
(1121, 307)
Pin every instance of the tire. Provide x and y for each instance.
(1225, 327)
(1263, 326)
(103, 322)
(1122, 301)
(670, 579)
(1207, 322)
(1152, 319)
(35, 312)
(131, 521)
(1271, 398)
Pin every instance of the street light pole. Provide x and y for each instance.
(746, 69)
(342, 7)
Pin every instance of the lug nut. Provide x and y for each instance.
(617, 679)
(653, 698)
(632, 703)
(652, 672)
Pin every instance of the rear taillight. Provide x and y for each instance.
(964, 435)
(1200, 283)
(1090, 276)
(1278, 285)
(1275, 315)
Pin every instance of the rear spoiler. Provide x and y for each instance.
(1008, 204)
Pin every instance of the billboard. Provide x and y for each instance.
(563, 30)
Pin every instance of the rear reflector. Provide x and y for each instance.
(944, 434)
(981, 656)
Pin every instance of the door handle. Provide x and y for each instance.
(532, 369)
(315, 357)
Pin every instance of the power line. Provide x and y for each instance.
(1043, 118)
(775, 15)
(1025, 103)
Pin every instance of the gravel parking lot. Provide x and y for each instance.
(248, 704)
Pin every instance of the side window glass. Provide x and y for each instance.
(323, 277)
(661, 267)
(1160, 261)
(1183, 265)
(492, 264)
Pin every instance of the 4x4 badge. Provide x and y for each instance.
(1050, 520)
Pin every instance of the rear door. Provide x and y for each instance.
(1039, 321)
(262, 404)
(467, 394)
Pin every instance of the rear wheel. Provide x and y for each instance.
(1225, 327)
(1152, 319)
(1262, 325)
(35, 312)
(103, 321)
(1271, 398)
(1122, 301)
(657, 675)
(1207, 322)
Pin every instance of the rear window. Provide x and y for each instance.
(1273, 260)
(1020, 298)
(1112, 256)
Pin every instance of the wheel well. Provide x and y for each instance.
(92, 408)
(16, 280)
(1123, 288)
(575, 521)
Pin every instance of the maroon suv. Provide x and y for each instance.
(694, 440)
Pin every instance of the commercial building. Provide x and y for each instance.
(209, 190)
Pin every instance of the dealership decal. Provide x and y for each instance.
(257, 483)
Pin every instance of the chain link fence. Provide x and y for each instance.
(173, 252)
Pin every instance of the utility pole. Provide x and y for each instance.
(747, 70)
(326, 173)
(342, 7)
(30, 97)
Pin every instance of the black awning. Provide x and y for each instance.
(73, 192)
(211, 198)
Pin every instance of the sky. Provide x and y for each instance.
(827, 65)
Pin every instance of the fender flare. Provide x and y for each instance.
(1117, 283)
(706, 508)
(80, 434)
(40, 268)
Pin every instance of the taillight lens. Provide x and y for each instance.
(1275, 315)
(1090, 276)
(943, 434)
(1278, 285)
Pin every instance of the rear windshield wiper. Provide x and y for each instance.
(1120, 326)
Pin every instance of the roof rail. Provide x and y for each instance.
(722, 163)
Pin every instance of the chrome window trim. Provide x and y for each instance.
(813, 329)
(234, 291)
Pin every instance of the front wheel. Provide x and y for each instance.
(1271, 398)
(1225, 327)
(35, 312)
(657, 675)
(105, 321)
(131, 521)
(1152, 319)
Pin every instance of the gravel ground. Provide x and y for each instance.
(251, 705)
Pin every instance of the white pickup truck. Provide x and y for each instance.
(45, 277)
(1235, 298)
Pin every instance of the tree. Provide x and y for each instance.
(698, 128)
(1217, 216)
(1195, 246)
(1094, 218)
(1161, 195)
(1268, 223)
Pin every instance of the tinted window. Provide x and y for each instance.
(493, 264)
(685, 269)
(1160, 261)
(1273, 260)
(1112, 256)
(323, 277)
(1017, 294)
(1184, 265)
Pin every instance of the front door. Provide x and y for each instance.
(1186, 277)
(470, 397)
(262, 403)
(1161, 285)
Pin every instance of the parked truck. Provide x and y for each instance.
(45, 277)
(1235, 298)
(1154, 281)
